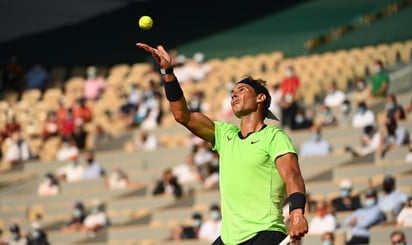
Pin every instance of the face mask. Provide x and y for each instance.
(299, 119)
(77, 212)
(315, 136)
(327, 242)
(197, 222)
(47, 181)
(15, 236)
(344, 193)
(35, 234)
(389, 106)
(95, 210)
(369, 202)
(289, 73)
(345, 108)
(378, 69)
(361, 110)
(215, 215)
(360, 86)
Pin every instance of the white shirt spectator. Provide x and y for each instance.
(95, 219)
(319, 225)
(360, 120)
(67, 152)
(210, 230)
(404, 218)
(72, 171)
(18, 149)
(334, 98)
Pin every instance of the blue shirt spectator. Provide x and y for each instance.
(364, 218)
(36, 78)
(94, 169)
(392, 201)
(316, 145)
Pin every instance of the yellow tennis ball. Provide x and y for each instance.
(145, 22)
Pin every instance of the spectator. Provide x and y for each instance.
(93, 170)
(118, 179)
(369, 142)
(323, 221)
(16, 236)
(77, 218)
(133, 100)
(326, 117)
(202, 156)
(71, 172)
(392, 136)
(51, 126)
(328, 238)
(82, 113)
(96, 219)
(360, 222)
(18, 150)
(398, 238)
(404, 218)
(10, 127)
(197, 102)
(68, 150)
(79, 136)
(68, 124)
(363, 117)
(226, 112)
(187, 172)
(290, 88)
(210, 228)
(362, 91)
(380, 81)
(301, 121)
(392, 201)
(393, 108)
(334, 97)
(316, 145)
(49, 186)
(94, 85)
(168, 185)
(211, 179)
(143, 141)
(183, 232)
(38, 236)
(199, 69)
(61, 112)
(346, 201)
(37, 78)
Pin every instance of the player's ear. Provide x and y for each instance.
(260, 97)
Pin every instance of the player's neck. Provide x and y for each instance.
(250, 124)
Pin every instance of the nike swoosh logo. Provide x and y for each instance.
(254, 142)
(229, 138)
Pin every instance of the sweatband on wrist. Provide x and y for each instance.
(297, 200)
(173, 90)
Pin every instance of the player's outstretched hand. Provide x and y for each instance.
(298, 225)
(159, 54)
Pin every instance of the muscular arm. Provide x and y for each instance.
(289, 170)
(199, 124)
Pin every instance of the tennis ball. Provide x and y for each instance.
(145, 22)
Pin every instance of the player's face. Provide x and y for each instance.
(243, 99)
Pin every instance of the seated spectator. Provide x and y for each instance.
(197, 102)
(360, 222)
(328, 238)
(133, 99)
(37, 78)
(323, 221)
(49, 186)
(187, 172)
(143, 141)
(392, 200)
(404, 218)
(334, 97)
(183, 232)
(96, 220)
(50, 126)
(68, 150)
(118, 179)
(392, 136)
(300, 120)
(211, 180)
(93, 170)
(369, 142)
(203, 155)
(199, 69)
(379, 81)
(17, 237)
(326, 117)
(9, 128)
(398, 238)
(71, 172)
(82, 113)
(77, 218)
(289, 101)
(210, 228)
(363, 116)
(168, 185)
(18, 150)
(362, 91)
(94, 85)
(394, 109)
(37, 236)
(316, 145)
(79, 136)
(346, 201)
(68, 124)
